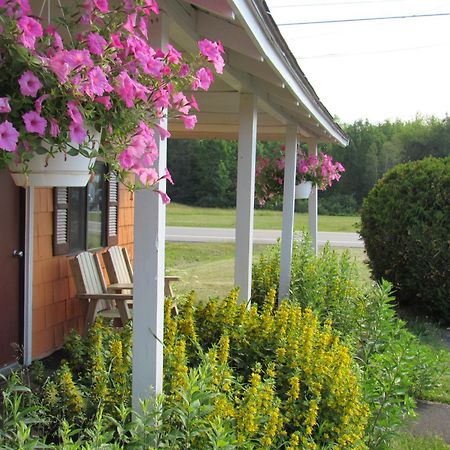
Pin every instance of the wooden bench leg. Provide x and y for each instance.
(90, 315)
(168, 292)
(124, 312)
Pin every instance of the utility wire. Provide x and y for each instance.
(375, 52)
(364, 19)
(301, 5)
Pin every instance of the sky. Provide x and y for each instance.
(377, 70)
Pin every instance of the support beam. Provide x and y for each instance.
(245, 195)
(313, 202)
(149, 263)
(287, 232)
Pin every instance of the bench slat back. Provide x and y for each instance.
(116, 266)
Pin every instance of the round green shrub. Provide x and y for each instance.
(405, 224)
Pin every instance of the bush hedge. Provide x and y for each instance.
(405, 224)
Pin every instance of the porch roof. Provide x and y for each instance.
(258, 61)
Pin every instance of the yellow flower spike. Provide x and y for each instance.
(223, 350)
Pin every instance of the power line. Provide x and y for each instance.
(375, 52)
(364, 19)
(301, 5)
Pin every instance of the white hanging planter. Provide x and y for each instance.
(60, 170)
(303, 190)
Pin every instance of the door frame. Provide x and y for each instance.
(28, 277)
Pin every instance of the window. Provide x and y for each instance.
(86, 217)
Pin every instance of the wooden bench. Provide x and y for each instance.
(120, 271)
(90, 285)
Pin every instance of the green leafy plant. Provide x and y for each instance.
(395, 367)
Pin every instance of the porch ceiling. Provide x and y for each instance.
(257, 60)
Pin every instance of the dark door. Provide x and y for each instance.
(11, 266)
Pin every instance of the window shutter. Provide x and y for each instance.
(112, 208)
(61, 221)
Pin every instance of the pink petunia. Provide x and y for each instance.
(115, 40)
(78, 133)
(105, 100)
(203, 79)
(184, 70)
(163, 132)
(57, 40)
(54, 128)
(102, 5)
(97, 83)
(59, 66)
(194, 103)
(126, 159)
(4, 105)
(189, 121)
(173, 55)
(168, 176)
(130, 23)
(34, 123)
(164, 197)
(78, 59)
(74, 112)
(151, 5)
(31, 29)
(8, 136)
(96, 43)
(38, 102)
(212, 51)
(29, 84)
(125, 89)
(147, 175)
(143, 26)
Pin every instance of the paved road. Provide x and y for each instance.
(190, 234)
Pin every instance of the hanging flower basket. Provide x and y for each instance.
(303, 190)
(59, 169)
(101, 71)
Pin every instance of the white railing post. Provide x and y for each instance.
(149, 263)
(287, 232)
(245, 195)
(313, 202)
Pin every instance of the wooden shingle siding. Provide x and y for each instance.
(56, 311)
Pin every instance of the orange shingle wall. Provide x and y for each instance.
(55, 309)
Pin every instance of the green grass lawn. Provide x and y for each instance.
(208, 268)
(190, 216)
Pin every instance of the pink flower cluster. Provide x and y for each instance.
(109, 77)
(321, 170)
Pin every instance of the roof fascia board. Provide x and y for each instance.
(271, 52)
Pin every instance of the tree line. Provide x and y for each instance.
(205, 170)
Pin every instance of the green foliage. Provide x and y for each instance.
(373, 150)
(405, 223)
(18, 414)
(204, 172)
(395, 367)
(285, 377)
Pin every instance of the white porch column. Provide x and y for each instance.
(245, 195)
(313, 202)
(149, 263)
(287, 232)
